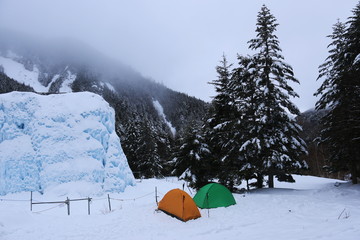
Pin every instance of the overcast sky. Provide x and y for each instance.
(179, 42)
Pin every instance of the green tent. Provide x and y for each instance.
(214, 195)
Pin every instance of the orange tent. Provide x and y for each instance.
(179, 204)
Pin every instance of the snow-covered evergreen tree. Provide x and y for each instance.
(191, 157)
(247, 96)
(130, 144)
(331, 93)
(277, 140)
(352, 60)
(222, 105)
(142, 146)
(340, 94)
(223, 128)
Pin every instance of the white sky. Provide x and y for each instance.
(179, 42)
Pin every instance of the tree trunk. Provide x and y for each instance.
(354, 175)
(259, 181)
(271, 181)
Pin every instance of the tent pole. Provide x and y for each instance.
(207, 201)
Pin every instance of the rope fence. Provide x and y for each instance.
(12, 200)
(45, 210)
(67, 201)
(132, 199)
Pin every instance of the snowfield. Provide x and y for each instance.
(311, 208)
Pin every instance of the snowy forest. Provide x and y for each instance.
(251, 131)
(105, 131)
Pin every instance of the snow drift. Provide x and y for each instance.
(59, 139)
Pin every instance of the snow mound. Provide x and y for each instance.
(50, 140)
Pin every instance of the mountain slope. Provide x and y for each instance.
(58, 67)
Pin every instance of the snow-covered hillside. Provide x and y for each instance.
(59, 139)
(66, 65)
(161, 113)
(11, 65)
(16, 70)
(312, 208)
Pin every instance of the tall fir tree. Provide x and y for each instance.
(130, 145)
(191, 157)
(331, 96)
(352, 60)
(222, 104)
(340, 94)
(247, 96)
(224, 128)
(278, 140)
(150, 163)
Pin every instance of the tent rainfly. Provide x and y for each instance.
(180, 205)
(214, 195)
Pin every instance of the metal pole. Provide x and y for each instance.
(109, 203)
(31, 201)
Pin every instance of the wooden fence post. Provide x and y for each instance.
(68, 205)
(109, 203)
(156, 196)
(89, 200)
(31, 201)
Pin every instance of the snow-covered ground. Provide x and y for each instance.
(311, 208)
